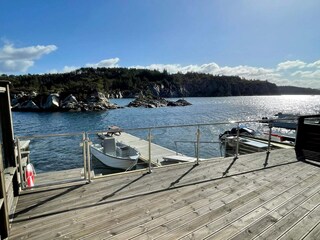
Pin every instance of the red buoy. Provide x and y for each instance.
(30, 173)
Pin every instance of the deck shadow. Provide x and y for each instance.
(70, 189)
(182, 176)
(230, 165)
(123, 187)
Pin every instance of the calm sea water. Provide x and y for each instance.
(65, 152)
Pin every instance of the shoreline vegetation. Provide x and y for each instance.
(89, 89)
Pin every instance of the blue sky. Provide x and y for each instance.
(274, 40)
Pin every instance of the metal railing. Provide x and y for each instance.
(51, 156)
(199, 131)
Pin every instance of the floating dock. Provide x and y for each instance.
(158, 153)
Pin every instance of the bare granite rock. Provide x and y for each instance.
(155, 102)
(52, 103)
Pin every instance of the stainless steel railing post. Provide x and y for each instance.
(149, 140)
(269, 140)
(22, 182)
(88, 157)
(198, 143)
(84, 149)
(269, 145)
(225, 147)
(175, 143)
(237, 146)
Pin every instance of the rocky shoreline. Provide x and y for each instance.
(95, 101)
(155, 102)
(55, 103)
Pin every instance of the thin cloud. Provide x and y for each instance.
(112, 62)
(291, 64)
(284, 73)
(307, 74)
(215, 69)
(107, 63)
(14, 59)
(66, 69)
(69, 69)
(315, 64)
(15, 65)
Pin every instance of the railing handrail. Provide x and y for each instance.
(193, 125)
(49, 135)
(268, 120)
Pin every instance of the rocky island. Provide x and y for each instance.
(96, 101)
(151, 101)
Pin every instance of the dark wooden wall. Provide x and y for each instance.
(308, 138)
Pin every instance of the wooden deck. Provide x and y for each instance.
(59, 176)
(218, 199)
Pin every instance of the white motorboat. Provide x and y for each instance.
(243, 131)
(246, 145)
(283, 120)
(115, 154)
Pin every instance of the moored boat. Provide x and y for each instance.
(283, 120)
(243, 131)
(115, 154)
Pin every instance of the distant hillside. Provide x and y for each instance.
(124, 82)
(289, 90)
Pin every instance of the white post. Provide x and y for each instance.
(198, 143)
(84, 149)
(269, 145)
(88, 157)
(149, 138)
(22, 183)
(269, 140)
(237, 147)
(225, 147)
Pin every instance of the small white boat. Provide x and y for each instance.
(115, 154)
(243, 131)
(246, 145)
(283, 120)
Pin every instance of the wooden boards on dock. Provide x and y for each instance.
(183, 201)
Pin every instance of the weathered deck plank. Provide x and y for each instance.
(307, 223)
(286, 222)
(253, 223)
(58, 176)
(313, 234)
(232, 205)
(271, 199)
(203, 202)
(186, 201)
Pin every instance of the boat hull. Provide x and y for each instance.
(114, 161)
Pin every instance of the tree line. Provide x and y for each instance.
(130, 81)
